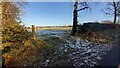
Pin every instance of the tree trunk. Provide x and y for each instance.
(115, 18)
(115, 13)
(75, 14)
(74, 29)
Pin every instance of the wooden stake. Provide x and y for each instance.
(33, 32)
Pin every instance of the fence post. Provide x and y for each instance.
(33, 32)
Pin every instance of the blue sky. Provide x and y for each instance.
(60, 13)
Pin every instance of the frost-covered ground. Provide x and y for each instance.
(75, 51)
(86, 53)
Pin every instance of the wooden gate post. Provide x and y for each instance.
(33, 32)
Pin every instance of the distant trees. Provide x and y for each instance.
(107, 22)
(113, 9)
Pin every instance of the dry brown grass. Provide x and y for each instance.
(25, 55)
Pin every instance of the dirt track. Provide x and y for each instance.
(112, 58)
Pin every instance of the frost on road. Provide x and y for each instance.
(79, 52)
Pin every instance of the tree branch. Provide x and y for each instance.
(83, 8)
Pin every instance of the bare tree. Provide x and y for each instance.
(113, 9)
(10, 12)
(75, 14)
